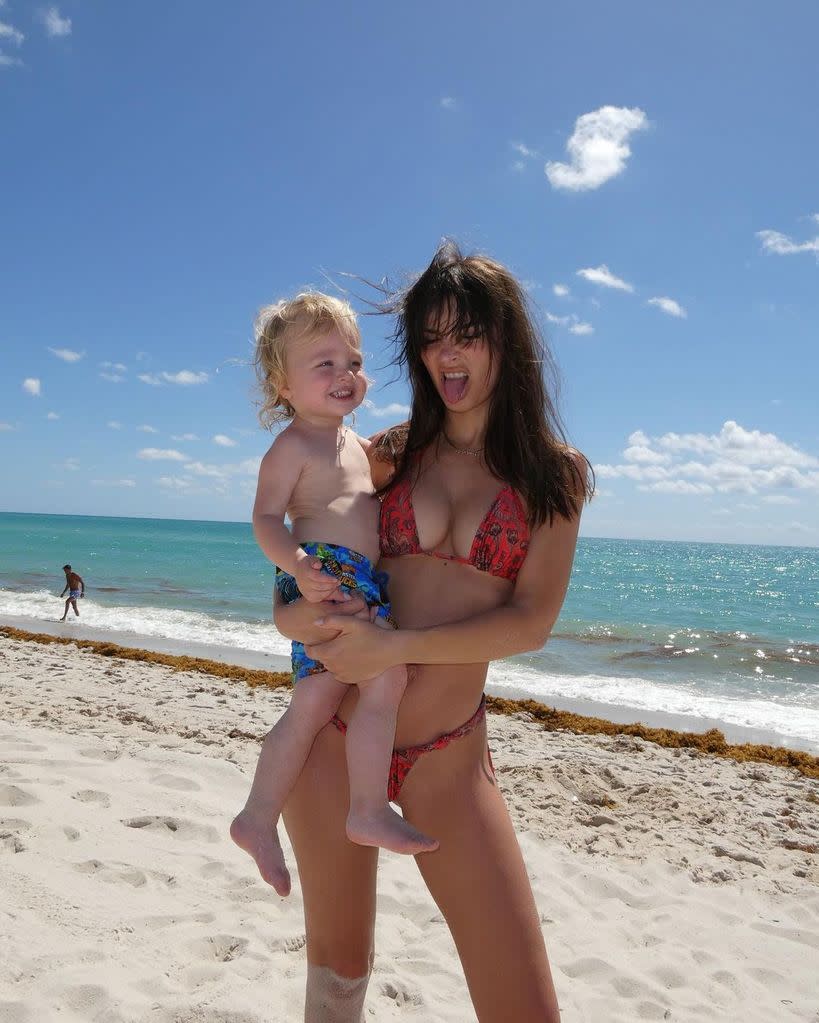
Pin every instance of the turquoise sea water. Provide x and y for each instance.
(723, 632)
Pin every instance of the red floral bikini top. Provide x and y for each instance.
(499, 546)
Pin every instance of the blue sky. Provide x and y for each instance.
(167, 170)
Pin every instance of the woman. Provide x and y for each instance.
(480, 509)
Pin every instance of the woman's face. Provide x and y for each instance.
(460, 364)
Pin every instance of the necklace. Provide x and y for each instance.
(463, 451)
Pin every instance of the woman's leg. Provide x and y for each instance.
(337, 882)
(478, 879)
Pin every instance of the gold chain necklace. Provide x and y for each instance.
(462, 451)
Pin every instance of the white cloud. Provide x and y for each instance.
(67, 354)
(31, 385)
(668, 305)
(12, 34)
(145, 428)
(603, 276)
(72, 464)
(112, 378)
(114, 424)
(55, 25)
(52, 415)
(449, 103)
(6, 61)
(161, 455)
(750, 447)
(678, 487)
(127, 483)
(217, 472)
(175, 482)
(524, 150)
(184, 436)
(598, 148)
(779, 499)
(247, 467)
(394, 408)
(224, 441)
(118, 367)
(735, 460)
(781, 245)
(640, 452)
(6, 428)
(519, 166)
(560, 290)
(185, 378)
(570, 320)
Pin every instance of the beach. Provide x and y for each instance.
(671, 884)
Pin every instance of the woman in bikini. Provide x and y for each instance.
(481, 501)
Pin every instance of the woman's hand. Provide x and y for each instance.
(359, 651)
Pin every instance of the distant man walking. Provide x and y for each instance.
(76, 588)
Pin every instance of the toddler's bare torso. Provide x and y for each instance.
(333, 501)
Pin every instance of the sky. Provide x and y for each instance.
(650, 172)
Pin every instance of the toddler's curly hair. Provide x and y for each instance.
(310, 313)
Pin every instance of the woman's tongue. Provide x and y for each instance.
(454, 388)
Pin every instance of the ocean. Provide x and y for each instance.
(690, 634)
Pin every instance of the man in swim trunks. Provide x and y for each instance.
(75, 586)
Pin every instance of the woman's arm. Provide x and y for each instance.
(360, 651)
(297, 620)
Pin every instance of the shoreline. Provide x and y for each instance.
(741, 718)
(709, 741)
(622, 714)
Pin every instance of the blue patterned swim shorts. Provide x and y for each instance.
(357, 575)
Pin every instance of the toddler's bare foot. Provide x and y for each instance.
(388, 830)
(261, 840)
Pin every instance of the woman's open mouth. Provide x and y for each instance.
(454, 385)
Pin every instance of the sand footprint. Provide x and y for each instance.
(131, 875)
(175, 781)
(13, 795)
(175, 826)
(10, 831)
(124, 873)
(93, 796)
(400, 993)
(96, 753)
(91, 1001)
(220, 947)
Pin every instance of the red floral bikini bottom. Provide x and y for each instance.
(403, 760)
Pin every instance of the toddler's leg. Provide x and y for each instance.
(370, 737)
(284, 751)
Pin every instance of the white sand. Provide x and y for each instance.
(123, 899)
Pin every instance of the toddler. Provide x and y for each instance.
(309, 361)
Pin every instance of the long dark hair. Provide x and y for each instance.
(525, 444)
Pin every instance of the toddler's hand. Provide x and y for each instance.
(315, 585)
